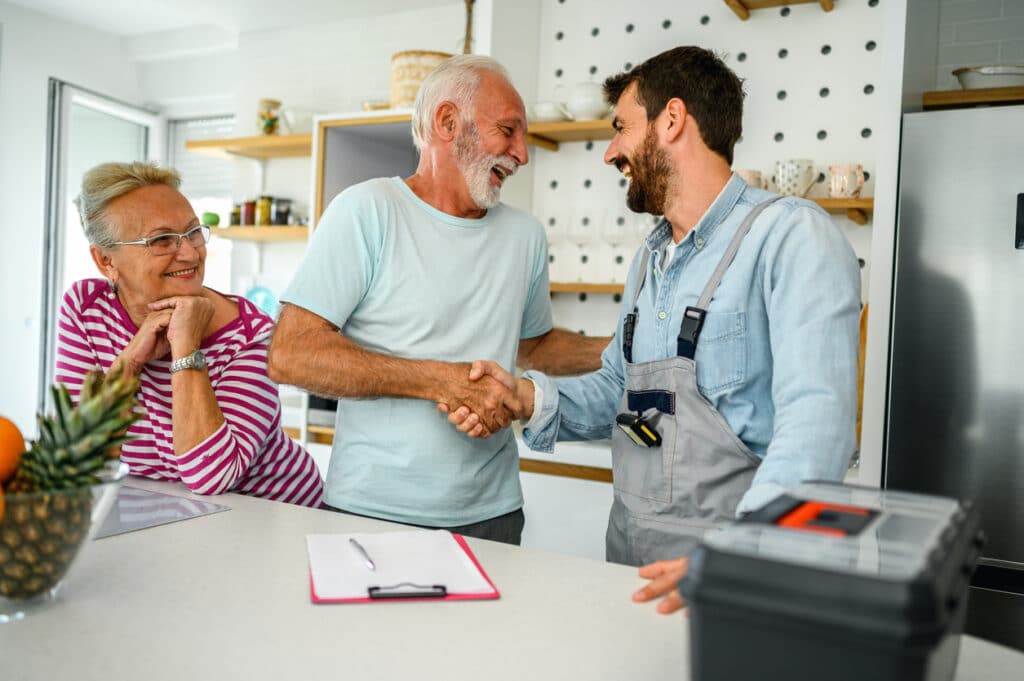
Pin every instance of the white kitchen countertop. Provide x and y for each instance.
(226, 597)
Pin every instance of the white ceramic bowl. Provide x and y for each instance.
(974, 77)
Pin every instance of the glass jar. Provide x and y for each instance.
(236, 214)
(280, 209)
(268, 116)
(248, 213)
(263, 210)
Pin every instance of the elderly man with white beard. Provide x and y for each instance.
(405, 282)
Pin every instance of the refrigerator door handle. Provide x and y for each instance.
(1020, 222)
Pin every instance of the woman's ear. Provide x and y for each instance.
(104, 263)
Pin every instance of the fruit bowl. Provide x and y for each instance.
(42, 533)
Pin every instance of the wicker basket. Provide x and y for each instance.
(408, 70)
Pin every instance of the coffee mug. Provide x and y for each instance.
(794, 177)
(845, 180)
(753, 178)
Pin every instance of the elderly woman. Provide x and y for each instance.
(213, 418)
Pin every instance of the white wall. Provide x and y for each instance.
(33, 48)
(978, 33)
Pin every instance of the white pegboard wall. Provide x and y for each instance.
(812, 82)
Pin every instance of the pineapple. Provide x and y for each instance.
(49, 501)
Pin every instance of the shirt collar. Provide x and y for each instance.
(720, 208)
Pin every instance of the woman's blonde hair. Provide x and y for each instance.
(106, 182)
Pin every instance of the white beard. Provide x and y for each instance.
(475, 165)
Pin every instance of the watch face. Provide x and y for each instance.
(198, 359)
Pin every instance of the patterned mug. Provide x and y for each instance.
(845, 180)
(794, 177)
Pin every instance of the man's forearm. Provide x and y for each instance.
(561, 353)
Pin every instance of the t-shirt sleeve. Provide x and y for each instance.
(338, 267)
(537, 311)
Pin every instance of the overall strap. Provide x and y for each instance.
(693, 317)
(629, 323)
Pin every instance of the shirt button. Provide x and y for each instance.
(700, 242)
(662, 315)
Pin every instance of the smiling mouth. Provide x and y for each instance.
(502, 173)
(624, 168)
(182, 273)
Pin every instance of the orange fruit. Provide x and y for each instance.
(12, 444)
(1, 504)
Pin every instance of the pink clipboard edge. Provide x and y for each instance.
(461, 541)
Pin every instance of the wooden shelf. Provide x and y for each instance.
(260, 147)
(742, 8)
(324, 435)
(956, 99)
(262, 233)
(549, 135)
(581, 287)
(855, 209)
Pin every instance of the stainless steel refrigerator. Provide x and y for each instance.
(956, 382)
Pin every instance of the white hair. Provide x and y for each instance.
(106, 182)
(453, 80)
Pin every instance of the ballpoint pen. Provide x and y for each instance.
(362, 552)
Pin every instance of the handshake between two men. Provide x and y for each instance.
(489, 401)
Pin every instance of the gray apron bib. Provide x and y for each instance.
(666, 497)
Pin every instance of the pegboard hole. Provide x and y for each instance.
(666, 24)
(589, 145)
(824, 92)
(630, 28)
(783, 53)
(585, 221)
(865, 133)
(586, 184)
(628, 65)
(617, 297)
(554, 184)
(821, 178)
(620, 221)
(784, 11)
(867, 176)
(861, 262)
(826, 49)
(822, 134)
(779, 137)
(869, 88)
(551, 222)
(872, 3)
(781, 94)
(595, 31)
(551, 258)
(619, 259)
(584, 259)
(623, 182)
(705, 20)
(558, 73)
(559, 35)
(742, 56)
(870, 45)
(583, 299)
(593, 69)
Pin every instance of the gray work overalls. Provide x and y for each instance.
(666, 497)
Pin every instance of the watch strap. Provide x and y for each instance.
(193, 360)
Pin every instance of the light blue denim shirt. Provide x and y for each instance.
(777, 355)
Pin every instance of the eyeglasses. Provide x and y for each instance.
(165, 244)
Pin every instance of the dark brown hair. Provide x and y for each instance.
(713, 94)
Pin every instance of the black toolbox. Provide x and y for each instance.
(836, 582)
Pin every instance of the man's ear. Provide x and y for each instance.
(675, 118)
(103, 262)
(447, 121)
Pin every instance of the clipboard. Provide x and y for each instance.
(407, 565)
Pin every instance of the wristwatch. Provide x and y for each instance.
(193, 360)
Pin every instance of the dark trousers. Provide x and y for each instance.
(507, 528)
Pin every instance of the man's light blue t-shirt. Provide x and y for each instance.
(404, 279)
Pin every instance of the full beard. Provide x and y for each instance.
(475, 166)
(652, 177)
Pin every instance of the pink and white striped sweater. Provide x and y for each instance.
(249, 453)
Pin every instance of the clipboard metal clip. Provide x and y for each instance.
(407, 590)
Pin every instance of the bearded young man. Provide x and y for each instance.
(405, 282)
(734, 369)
